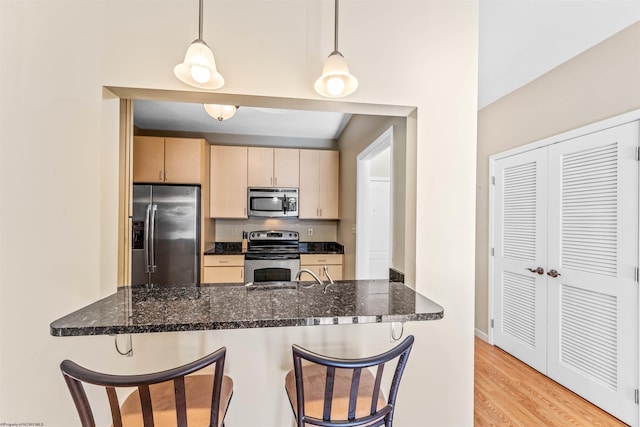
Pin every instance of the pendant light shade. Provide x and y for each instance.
(199, 66)
(336, 80)
(220, 112)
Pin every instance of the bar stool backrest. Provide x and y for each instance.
(377, 416)
(75, 375)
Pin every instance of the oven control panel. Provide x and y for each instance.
(273, 235)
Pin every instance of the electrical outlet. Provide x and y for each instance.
(234, 231)
(311, 232)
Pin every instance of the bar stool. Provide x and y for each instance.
(167, 398)
(333, 392)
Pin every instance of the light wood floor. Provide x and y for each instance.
(510, 393)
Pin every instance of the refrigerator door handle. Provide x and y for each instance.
(146, 239)
(154, 213)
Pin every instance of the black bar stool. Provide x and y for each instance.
(333, 392)
(167, 398)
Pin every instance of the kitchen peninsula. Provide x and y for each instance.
(235, 306)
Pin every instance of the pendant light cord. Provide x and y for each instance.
(335, 27)
(200, 21)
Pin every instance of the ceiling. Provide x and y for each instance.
(519, 41)
(190, 117)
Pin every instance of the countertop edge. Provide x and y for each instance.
(249, 324)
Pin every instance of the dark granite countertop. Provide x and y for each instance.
(235, 306)
(225, 248)
(235, 248)
(321, 248)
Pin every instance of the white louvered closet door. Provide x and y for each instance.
(520, 295)
(593, 244)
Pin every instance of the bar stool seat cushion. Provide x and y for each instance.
(314, 377)
(198, 391)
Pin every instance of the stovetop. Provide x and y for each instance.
(276, 243)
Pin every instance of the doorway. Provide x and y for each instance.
(373, 208)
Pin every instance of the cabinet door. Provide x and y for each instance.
(309, 179)
(148, 159)
(260, 167)
(223, 275)
(228, 182)
(182, 160)
(286, 167)
(335, 271)
(328, 184)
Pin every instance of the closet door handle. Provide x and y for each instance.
(538, 270)
(553, 273)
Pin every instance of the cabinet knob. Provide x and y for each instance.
(160, 176)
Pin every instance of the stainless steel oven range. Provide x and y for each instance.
(272, 256)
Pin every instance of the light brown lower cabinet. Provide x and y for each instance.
(223, 269)
(317, 262)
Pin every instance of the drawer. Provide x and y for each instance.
(223, 275)
(224, 260)
(320, 259)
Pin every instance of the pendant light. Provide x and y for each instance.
(336, 81)
(199, 67)
(220, 112)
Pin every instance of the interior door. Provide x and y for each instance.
(379, 228)
(593, 245)
(520, 249)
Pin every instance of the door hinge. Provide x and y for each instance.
(636, 276)
(493, 179)
(637, 153)
(493, 252)
(491, 323)
(637, 397)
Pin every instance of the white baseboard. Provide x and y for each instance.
(484, 337)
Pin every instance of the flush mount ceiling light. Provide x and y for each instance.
(220, 112)
(199, 66)
(336, 81)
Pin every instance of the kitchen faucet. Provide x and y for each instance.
(326, 272)
(305, 270)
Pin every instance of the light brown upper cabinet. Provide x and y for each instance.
(319, 181)
(273, 167)
(228, 182)
(167, 160)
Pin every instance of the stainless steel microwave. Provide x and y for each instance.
(272, 202)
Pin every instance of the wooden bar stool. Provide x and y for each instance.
(332, 392)
(167, 398)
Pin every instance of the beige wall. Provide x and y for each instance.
(600, 83)
(59, 183)
(358, 135)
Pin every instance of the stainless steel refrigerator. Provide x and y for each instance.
(165, 244)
